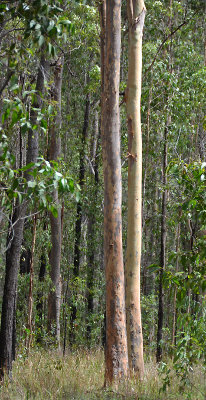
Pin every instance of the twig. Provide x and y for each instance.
(10, 31)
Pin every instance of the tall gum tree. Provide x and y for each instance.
(136, 15)
(116, 342)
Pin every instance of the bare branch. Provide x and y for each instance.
(10, 31)
(185, 22)
(10, 73)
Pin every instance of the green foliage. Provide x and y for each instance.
(43, 22)
(188, 185)
(149, 318)
(45, 178)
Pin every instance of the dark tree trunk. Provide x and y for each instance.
(30, 306)
(54, 299)
(91, 226)
(42, 273)
(78, 225)
(15, 237)
(7, 333)
(25, 261)
(175, 291)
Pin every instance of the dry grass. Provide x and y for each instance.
(80, 376)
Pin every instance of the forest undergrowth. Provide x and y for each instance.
(80, 376)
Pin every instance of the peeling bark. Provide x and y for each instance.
(116, 343)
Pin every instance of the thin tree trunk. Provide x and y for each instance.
(164, 216)
(162, 251)
(78, 225)
(7, 334)
(40, 294)
(136, 14)
(54, 299)
(91, 226)
(30, 307)
(9, 297)
(144, 259)
(175, 292)
(116, 342)
(146, 153)
(189, 292)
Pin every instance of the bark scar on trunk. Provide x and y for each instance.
(130, 128)
(130, 138)
(133, 156)
(139, 20)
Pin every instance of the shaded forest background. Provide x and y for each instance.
(60, 187)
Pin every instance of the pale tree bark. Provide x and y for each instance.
(14, 242)
(136, 14)
(116, 342)
(54, 298)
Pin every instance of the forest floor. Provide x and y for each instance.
(80, 376)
